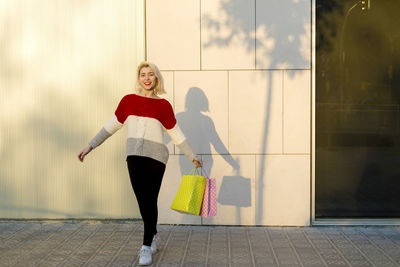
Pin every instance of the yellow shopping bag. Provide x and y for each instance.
(189, 197)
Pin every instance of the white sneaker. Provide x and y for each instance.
(145, 255)
(155, 243)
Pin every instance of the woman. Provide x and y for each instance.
(146, 116)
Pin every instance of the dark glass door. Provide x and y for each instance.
(357, 109)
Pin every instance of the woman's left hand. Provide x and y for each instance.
(198, 163)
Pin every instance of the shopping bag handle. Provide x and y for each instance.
(195, 171)
(206, 175)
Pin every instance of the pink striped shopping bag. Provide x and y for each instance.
(209, 205)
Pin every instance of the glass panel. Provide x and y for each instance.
(358, 109)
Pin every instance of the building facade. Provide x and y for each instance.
(251, 83)
(239, 74)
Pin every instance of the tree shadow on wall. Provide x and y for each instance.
(278, 33)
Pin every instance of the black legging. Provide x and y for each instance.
(146, 175)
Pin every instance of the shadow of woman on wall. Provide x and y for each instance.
(199, 130)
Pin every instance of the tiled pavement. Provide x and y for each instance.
(117, 244)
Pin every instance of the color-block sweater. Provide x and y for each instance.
(146, 119)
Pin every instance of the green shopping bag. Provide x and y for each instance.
(189, 197)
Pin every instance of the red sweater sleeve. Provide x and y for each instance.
(167, 117)
(122, 110)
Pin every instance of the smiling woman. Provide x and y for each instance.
(147, 116)
(149, 78)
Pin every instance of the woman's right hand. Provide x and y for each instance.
(197, 162)
(84, 152)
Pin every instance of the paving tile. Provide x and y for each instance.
(117, 244)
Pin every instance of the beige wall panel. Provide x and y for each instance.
(283, 34)
(201, 106)
(235, 179)
(177, 166)
(64, 72)
(173, 34)
(296, 111)
(227, 34)
(169, 87)
(255, 112)
(283, 190)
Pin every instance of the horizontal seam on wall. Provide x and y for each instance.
(203, 70)
(245, 154)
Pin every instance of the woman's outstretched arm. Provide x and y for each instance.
(108, 130)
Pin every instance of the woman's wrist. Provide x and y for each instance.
(198, 162)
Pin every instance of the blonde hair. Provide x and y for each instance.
(159, 87)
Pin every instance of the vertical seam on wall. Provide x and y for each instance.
(173, 88)
(283, 111)
(256, 193)
(255, 34)
(173, 100)
(200, 38)
(227, 81)
(145, 30)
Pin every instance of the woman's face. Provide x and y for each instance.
(147, 78)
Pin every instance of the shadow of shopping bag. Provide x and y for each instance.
(235, 191)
